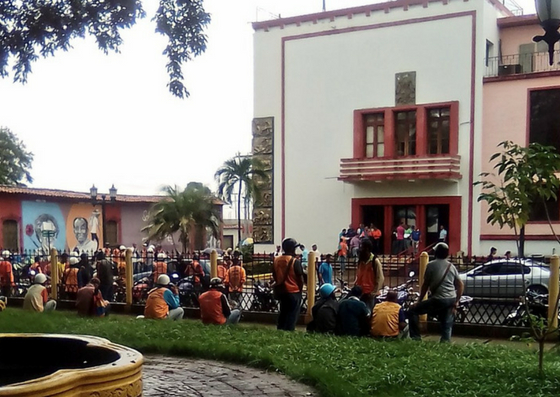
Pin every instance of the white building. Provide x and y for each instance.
(377, 118)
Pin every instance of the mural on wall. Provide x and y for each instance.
(44, 227)
(83, 228)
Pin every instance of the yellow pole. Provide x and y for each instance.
(54, 274)
(311, 282)
(128, 278)
(553, 293)
(213, 264)
(422, 270)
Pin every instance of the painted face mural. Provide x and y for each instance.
(83, 228)
(44, 227)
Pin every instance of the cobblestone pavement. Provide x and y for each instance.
(171, 376)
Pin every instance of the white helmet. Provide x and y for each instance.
(122, 248)
(163, 279)
(73, 260)
(40, 279)
(5, 254)
(161, 255)
(74, 254)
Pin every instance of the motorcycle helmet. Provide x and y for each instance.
(163, 279)
(216, 282)
(161, 256)
(326, 290)
(40, 279)
(5, 254)
(289, 245)
(122, 248)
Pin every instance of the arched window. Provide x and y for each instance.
(112, 233)
(10, 233)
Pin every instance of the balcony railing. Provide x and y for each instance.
(521, 64)
(407, 168)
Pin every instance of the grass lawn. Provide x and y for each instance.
(336, 366)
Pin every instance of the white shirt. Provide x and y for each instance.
(93, 224)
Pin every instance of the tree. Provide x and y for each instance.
(525, 176)
(240, 172)
(29, 28)
(182, 212)
(15, 160)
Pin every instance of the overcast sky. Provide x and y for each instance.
(92, 118)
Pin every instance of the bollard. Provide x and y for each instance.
(421, 271)
(54, 274)
(553, 293)
(128, 279)
(213, 264)
(311, 276)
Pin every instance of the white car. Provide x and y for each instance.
(506, 278)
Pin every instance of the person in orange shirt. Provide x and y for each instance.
(71, 279)
(342, 255)
(369, 274)
(235, 279)
(36, 267)
(214, 306)
(160, 267)
(163, 301)
(222, 270)
(376, 239)
(6, 275)
(288, 284)
(194, 268)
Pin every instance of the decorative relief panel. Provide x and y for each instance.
(405, 88)
(263, 151)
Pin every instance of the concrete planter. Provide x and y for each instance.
(42, 365)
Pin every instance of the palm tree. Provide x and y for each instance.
(183, 211)
(240, 172)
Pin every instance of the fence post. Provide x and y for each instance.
(422, 270)
(54, 274)
(128, 279)
(553, 293)
(311, 282)
(213, 264)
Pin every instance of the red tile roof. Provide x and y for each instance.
(124, 198)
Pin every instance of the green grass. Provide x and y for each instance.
(336, 366)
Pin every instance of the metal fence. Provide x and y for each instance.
(530, 62)
(494, 286)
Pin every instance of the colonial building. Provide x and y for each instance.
(388, 113)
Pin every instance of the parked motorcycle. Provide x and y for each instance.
(263, 300)
(537, 305)
(188, 291)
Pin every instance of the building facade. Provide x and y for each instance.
(388, 113)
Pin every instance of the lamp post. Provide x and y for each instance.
(95, 201)
(548, 12)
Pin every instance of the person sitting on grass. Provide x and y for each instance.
(90, 302)
(214, 306)
(325, 312)
(37, 297)
(388, 319)
(163, 301)
(353, 314)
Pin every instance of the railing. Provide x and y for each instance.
(521, 64)
(495, 290)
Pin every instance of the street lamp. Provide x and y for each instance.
(548, 12)
(95, 201)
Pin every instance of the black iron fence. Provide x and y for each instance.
(495, 286)
(521, 63)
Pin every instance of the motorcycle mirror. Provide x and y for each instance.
(32, 272)
(174, 275)
(411, 274)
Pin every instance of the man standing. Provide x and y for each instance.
(37, 297)
(442, 234)
(325, 272)
(442, 280)
(304, 259)
(376, 237)
(163, 301)
(288, 278)
(354, 246)
(6, 274)
(342, 254)
(415, 237)
(105, 275)
(399, 232)
(214, 306)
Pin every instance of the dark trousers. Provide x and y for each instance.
(290, 305)
(6, 290)
(440, 308)
(107, 292)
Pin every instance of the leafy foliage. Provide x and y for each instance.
(181, 212)
(243, 173)
(15, 160)
(336, 366)
(524, 176)
(29, 28)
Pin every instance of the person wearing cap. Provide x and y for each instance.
(388, 319)
(442, 280)
(105, 274)
(325, 312)
(235, 280)
(163, 301)
(214, 306)
(353, 314)
(287, 273)
(160, 267)
(37, 296)
(325, 271)
(6, 274)
(70, 277)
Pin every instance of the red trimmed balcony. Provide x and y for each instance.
(444, 167)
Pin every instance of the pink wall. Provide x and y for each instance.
(505, 117)
(513, 37)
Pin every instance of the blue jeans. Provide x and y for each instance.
(441, 308)
(290, 305)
